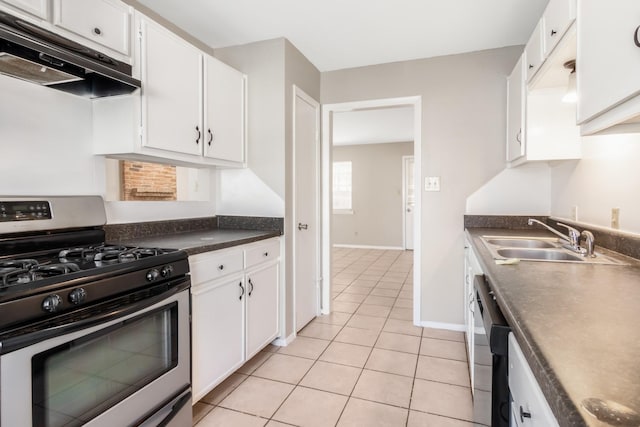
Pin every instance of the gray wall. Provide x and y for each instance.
(378, 207)
(263, 63)
(272, 68)
(463, 122)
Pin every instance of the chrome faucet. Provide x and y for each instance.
(573, 238)
(590, 242)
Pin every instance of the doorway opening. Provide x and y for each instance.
(407, 181)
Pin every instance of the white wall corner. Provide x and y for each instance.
(242, 192)
(525, 190)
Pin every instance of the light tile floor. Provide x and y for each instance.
(366, 364)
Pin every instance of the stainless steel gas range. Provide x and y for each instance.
(90, 333)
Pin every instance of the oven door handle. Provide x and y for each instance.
(175, 410)
(69, 324)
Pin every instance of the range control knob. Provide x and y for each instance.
(166, 271)
(52, 303)
(152, 275)
(77, 296)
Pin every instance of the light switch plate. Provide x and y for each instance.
(432, 183)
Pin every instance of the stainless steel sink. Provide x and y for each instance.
(546, 249)
(540, 254)
(523, 243)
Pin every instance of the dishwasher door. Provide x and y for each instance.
(491, 388)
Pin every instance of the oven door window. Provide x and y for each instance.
(77, 381)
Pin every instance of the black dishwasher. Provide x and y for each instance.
(491, 364)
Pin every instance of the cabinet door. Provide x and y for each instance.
(106, 22)
(262, 308)
(608, 55)
(171, 91)
(224, 111)
(468, 308)
(557, 18)
(217, 332)
(526, 395)
(515, 122)
(533, 52)
(39, 8)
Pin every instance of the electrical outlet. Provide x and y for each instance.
(574, 213)
(432, 183)
(615, 218)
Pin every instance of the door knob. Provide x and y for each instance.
(408, 209)
(302, 226)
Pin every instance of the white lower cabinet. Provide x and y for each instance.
(218, 324)
(262, 297)
(528, 405)
(471, 269)
(235, 309)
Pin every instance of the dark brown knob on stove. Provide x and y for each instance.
(52, 303)
(166, 271)
(153, 275)
(77, 296)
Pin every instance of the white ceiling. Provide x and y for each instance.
(373, 126)
(336, 34)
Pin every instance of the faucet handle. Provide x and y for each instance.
(574, 235)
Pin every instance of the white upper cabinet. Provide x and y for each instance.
(557, 18)
(190, 111)
(515, 110)
(37, 8)
(533, 52)
(101, 25)
(540, 126)
(171, 74)
(224, 111)
(608, 65)
(105, 22)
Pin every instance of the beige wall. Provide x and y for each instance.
(272, 68)
(263, 63)
(463, 122)
(378, 207)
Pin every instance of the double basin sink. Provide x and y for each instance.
(539, 249)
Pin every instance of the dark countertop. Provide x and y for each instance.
(195, 242)
(578, 326)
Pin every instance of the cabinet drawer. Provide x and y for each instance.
(263, 252)
(39, 8)
(105, 22)
(213, 265)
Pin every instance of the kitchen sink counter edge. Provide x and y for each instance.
(195, 242)
(577, 324)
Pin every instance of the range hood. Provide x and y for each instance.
(30, 53)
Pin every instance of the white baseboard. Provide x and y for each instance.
(385, 248)
(283, 342)
(449, 326)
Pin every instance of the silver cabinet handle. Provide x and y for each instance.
(636, 37)
(210, 137)
(199, 135)
(302, 226)
(241, 290)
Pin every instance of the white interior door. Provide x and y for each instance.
(409, 200)
(306, 221)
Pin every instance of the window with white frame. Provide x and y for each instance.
(342, 187)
